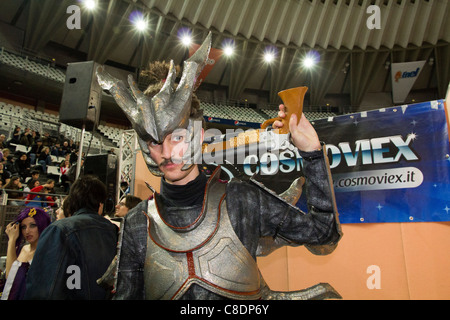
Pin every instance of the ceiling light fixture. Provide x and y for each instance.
(310, 60)
(228, 50)
(139, 21)
(90, 4)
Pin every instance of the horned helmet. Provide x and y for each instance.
(153, 118)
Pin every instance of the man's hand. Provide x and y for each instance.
(303, 134)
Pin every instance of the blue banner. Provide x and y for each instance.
(390, 165)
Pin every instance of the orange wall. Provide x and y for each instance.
(413, 258)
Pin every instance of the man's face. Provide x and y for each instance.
(169, 157)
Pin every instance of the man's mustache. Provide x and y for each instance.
(170, 161)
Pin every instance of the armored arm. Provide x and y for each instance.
(131, 256)
(320, 194)
(319, 229)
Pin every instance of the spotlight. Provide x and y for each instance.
(270, 54)
(228, 50)
(186, 40)
(90, 4)
(308, 62)
(269, 57)
(228, 47)
(141, 24)
(139, 21)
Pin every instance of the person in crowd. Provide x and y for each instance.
(126, 204)
(25, 137)
(64, 167)
(32, 138)
(16, 136)
(63, 210)
(10, 164)
(124, 187)
(56, 150)
(47, 141)
(5, 175)
(45, 159)
(35, 174)
(163, 250)
(55, 262)
(6, 152)
(65, 179)
(2, 141)
(65, 148)
(71, 174)
(14, 190)
(73, 156)
(35, 151)
(32, 183)
(23, 167)
(41, 200)
(23, 236)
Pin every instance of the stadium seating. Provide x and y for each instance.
(11, 115)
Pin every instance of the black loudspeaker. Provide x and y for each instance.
(82, 96)
(104, 167)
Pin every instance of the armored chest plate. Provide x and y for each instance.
(207, 252)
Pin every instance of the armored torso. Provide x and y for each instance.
(207, 253)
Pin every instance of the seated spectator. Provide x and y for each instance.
(5, 175)
(14, 190)
(66, 148)
(44, 159)
(5, 154)
(16, 136)
(34, 175)
(10, 165)
(64, 167)
(32, 183)
(57, 150)
(24, 137)
(41, 200)
(65, 179)
(73, 157)
(47, 141)
(35, 151)
(22, 166)
(32, 137)
(2, 141)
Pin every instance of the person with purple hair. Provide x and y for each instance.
(23, 235)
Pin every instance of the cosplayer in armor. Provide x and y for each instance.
(198, 238)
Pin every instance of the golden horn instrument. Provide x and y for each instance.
(293, 104)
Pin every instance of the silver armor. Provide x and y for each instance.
(207, 253)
